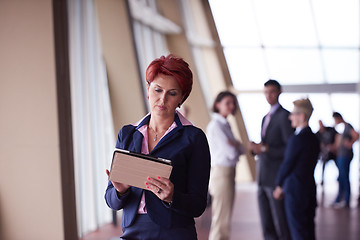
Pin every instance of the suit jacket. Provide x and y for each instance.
(187, 147)
(276, 136)
(296, 174)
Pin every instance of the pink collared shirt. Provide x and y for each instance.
(145, 149)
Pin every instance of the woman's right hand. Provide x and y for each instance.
(121, 188)
(278, 193)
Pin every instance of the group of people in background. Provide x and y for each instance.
(336, 144)
(286, 160)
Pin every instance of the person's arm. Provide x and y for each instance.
(117, 193)
(289, 161)
(291, 156)
(354, 136)
(239, 147)
(114, 199)
(193, 202)
(223, 138)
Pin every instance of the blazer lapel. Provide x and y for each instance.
(137, 142)
(272, 120)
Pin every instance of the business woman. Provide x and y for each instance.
(295, 180)
(166, 210)
(225, 151)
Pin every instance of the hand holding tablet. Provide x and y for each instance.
(134, 168)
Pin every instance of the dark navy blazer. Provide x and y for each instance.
(296, 173)
(187, 147)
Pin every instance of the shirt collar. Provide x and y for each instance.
(298, 130)
(274, 108)
(179, 120)
(183, 120)
(219, 117)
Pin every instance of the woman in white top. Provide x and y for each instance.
(225, 151)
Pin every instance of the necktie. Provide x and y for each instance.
(266, 124)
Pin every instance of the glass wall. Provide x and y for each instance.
(295, 42)
(149, 28)
(299, 43)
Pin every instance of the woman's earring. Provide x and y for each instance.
(179, 105)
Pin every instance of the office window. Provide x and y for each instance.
(93, 133)
(297, 43)
(149, 28)
(294, 42)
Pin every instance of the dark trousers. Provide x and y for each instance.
(300, 214)
(272, 215)
(144, 228)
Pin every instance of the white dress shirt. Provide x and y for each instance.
(224, 148)
(298, 130)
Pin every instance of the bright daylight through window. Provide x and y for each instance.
(310, 47)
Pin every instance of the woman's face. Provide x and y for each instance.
(296, 117)
(164, 95)
(226, 106)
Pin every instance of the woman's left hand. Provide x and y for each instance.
(161, 187)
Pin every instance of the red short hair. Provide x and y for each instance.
(175, 67)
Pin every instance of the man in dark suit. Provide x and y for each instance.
(275, 132)
(295, 181)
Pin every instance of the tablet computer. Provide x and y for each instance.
(134, 168)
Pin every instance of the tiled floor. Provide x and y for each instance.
(331, 224)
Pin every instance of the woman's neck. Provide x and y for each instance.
(160, 124)
(303, 125)
(224, 115)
